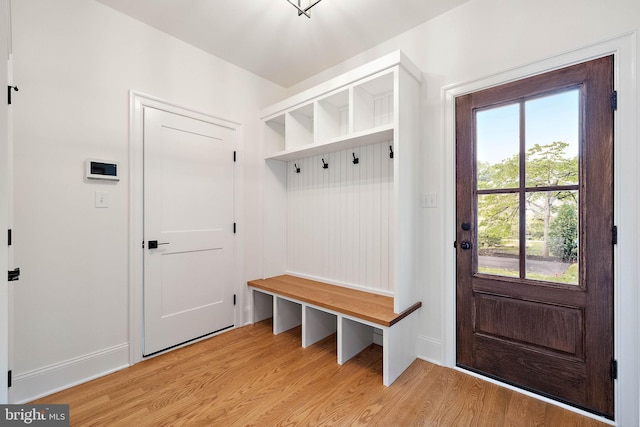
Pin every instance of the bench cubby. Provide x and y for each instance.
(354, 315)
(318, 324)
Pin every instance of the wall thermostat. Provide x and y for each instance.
(101, 169)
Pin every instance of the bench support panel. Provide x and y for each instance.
(399, 348)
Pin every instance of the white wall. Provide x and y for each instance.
(75, 62)
(479, 39)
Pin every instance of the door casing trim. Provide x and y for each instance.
(626, 210)
(137, 101)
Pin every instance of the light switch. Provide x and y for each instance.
(102, 199)
(429, 200)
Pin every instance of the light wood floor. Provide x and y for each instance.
(248, 376)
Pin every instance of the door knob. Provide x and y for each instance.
(153, 244)
(465, 245)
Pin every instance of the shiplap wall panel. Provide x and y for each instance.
(339, 219)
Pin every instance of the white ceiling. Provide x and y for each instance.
(268, 38)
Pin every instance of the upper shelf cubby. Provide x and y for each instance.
(333, 116)
(299, 127)
(274, 134)
(354, 109)
(373, 102)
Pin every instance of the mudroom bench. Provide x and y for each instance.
(324, 309)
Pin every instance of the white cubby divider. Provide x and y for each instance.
(350, 224)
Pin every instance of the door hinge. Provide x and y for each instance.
(9, 240)
(614, 369)
(234, 228)
(9, 379)
(614, 235)
(234, 156)
(234, 299)
(9, 88)
(614, 100)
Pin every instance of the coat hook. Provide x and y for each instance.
(9, 93)
(355, 159)
(325, 165)
(296, 168)
(391, 151)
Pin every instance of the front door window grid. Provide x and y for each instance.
(527, 179)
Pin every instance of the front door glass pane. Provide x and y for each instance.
(498, 234)
(552, 136)
(498, 147)
(552, 236)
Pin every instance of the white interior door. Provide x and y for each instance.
(188, 211)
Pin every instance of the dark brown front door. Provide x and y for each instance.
(534, 197)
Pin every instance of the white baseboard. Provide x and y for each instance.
(50, 379)
(429, 349)
(247, 316)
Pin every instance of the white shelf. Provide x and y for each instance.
(358, 139)
(360, 74)
(360, 112)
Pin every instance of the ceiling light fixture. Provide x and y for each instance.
(303, 10)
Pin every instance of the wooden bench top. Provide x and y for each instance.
(361, 304)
